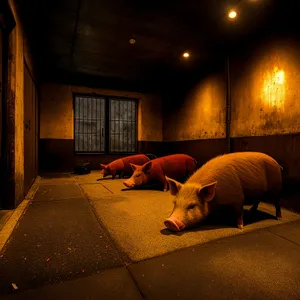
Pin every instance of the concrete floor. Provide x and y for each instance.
(87, 239)
(134, 218)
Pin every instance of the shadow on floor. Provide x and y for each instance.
(225, 218)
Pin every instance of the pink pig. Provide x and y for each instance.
(178, 166)
(122, 166)
(225, 180)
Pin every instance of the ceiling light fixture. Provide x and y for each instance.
(232, 14)
(186, 54)
(132, 41)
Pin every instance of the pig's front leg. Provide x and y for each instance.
(113, 174)
(162, 180)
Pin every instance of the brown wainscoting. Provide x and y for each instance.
(151, 147)
(201, 150)
(284, 148)
(57, 155)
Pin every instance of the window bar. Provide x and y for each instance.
(84, 118)
(81, 123)
(89, 124)
(123, 136)
(133, 129)
(110, 127)
(100, 127)
(78, 123)
(88, 148)
(96, 119)
(102, 140)
(127, 127)
(113, 109)
(119, 126)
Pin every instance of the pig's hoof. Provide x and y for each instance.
(241, 226)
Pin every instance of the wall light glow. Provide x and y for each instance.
(274, 88)
(186, 55)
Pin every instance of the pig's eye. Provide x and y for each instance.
(192, 206)
(137, 175)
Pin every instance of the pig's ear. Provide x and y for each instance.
(207, 192)
(102, 166)
(133, 166)
(147, 166)
(174, 185)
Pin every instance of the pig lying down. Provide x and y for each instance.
(178, 166)
(225, 180)
(122, 166)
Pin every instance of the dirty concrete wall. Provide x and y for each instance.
(266, 102)
(194, 117)
(265, 90)
(57, 125)
(265, 81)
(201, 112)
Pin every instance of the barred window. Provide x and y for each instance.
(105, 124)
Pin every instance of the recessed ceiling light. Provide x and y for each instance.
(186, 54)
(232, 14)
(132, 41)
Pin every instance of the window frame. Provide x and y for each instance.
(107, 124)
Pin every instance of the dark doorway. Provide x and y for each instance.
(30, 130)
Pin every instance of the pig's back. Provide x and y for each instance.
(250, 173)
(138, 159)
(174, 166)
(116, 165)
(257, 172)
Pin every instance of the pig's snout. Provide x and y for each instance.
(128, 184)
(174, 224)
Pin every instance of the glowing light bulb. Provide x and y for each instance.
(232, 14)
(186, 55)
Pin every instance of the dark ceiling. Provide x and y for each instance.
(87, 40)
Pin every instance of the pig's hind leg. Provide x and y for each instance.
(239, 211)
(255, 205)
(274, 197)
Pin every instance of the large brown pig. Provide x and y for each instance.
(225, 180)
(178, 166)
(122, 166)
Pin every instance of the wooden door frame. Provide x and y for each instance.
(28, 76)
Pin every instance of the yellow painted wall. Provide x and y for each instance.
(266, 90)
(201, 114)
(56, 111)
